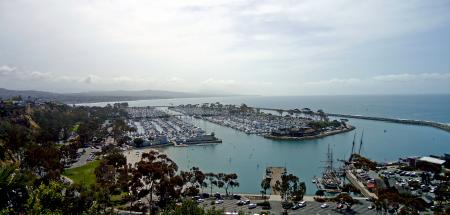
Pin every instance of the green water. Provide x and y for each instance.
(248, 155)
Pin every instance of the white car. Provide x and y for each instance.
(302, 204)
(324, 205)
(252, 205)
(219, 201)
(200, 200)
(370, 207)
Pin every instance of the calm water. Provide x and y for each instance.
(248, 155)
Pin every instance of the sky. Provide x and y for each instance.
(280, 47)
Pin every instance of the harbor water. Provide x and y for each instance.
(249, 155)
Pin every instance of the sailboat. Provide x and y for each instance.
(361, 143)
(329, 178)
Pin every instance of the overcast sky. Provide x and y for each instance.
(248, 47)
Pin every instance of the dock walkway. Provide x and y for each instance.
(360, 186)
(274, 173)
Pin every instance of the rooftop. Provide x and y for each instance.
(432, 160)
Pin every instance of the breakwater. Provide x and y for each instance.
(438, 125)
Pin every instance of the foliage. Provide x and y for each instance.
(138, 142)
(323, 124)
(13, 182)
(46, 199)
(361, 162)
(156, 174)
(265, 185)
(290, 187)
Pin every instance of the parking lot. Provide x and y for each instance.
(312, 208)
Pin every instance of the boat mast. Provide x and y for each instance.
(353, 147)
(360, 144)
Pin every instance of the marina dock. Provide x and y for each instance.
(274, 173)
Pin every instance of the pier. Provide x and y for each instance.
(275, 173)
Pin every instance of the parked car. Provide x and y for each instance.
(295, 207)
(219, 201)
(324, 205)
(218, 196)
(252, 205)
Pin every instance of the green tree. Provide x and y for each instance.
(46, 199)
(265, 185)
(212, 178)
(230, 180)
(138, 142)
(156, 174)
(13, 186)
(290, 188)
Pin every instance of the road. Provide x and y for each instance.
(84, 156)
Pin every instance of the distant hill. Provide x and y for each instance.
(101, 96)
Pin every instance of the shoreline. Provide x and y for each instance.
(321, 135)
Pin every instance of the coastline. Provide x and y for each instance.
(321, 135)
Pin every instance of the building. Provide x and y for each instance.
(430, 164)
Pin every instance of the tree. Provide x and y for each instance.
(44, 160)
(156, 174)
(13, 186)
(230, 180)
(193, 180)
(116, 159)
(46, 199)
(138, 142)
(265, 185)
(290, 188)
(212, 178)
(12, 138)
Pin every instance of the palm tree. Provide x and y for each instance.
(212, 180)
(265, 185)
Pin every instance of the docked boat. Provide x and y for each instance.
(202, 139)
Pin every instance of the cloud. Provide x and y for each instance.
(335, 81)
(408, 77)
(179, 44)
(36, 75)
(7, 70)
(216, 82)
(91, 79)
